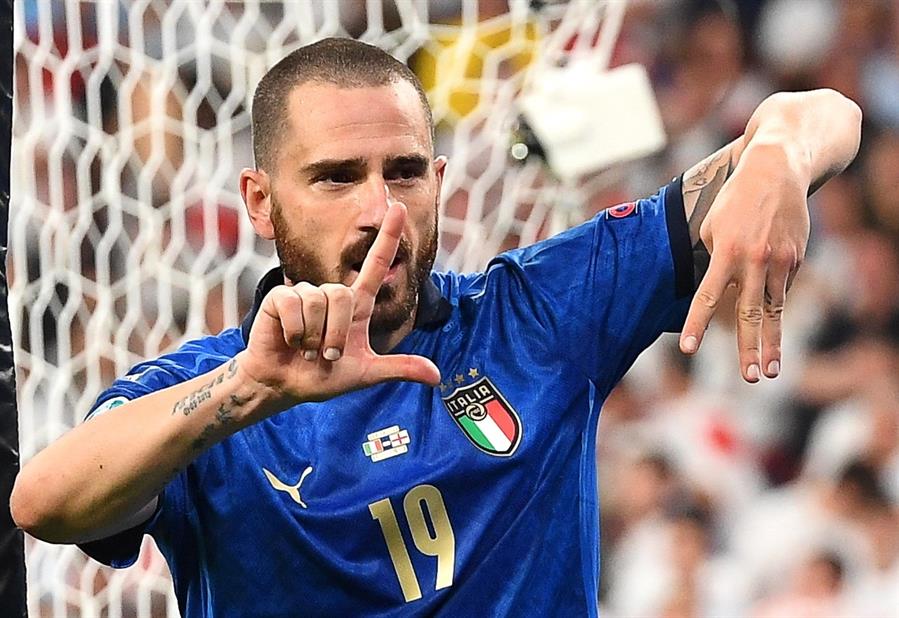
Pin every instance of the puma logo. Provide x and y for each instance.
(291, 490)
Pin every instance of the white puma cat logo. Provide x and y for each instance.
(292, 490)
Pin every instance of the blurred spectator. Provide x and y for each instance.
(875, 591)
(784, 526)
(815, 591)
(881, 181)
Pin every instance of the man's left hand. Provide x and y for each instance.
(756, 232)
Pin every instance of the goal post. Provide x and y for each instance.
(12, 549)
(128, 235)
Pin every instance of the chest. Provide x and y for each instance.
(472, 435)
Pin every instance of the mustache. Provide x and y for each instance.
(356, 253)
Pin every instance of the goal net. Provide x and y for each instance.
(128, 236)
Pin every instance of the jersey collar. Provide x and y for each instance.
(433, 309)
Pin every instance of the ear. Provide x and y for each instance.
(440, 169)
(255, 189)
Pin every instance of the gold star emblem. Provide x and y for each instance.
(459, 378)
(473, 372)
(443, 387)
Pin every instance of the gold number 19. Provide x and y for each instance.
(441, 544)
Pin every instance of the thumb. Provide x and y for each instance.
(408, 367)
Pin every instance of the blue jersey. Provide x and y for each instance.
(477, 497)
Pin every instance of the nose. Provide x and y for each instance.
(373, 204)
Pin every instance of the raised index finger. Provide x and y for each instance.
(381, 254)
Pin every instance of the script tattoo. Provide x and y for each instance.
(701, 184)
(190, 403)
(224, 414)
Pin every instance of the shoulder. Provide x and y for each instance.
(192, 358)
(195, 356)
(455, 287)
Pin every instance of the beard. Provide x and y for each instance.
(394, 305)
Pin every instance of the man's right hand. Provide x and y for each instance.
(104, 475)
(311, 343)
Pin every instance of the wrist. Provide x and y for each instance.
(270, 395)
(776, 156)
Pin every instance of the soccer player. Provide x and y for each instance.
(376, 438)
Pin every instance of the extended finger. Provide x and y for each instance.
(749, 321)
(337, 321)
(315, 307)
(705, 302)
(381, 255)
(284, 305)
(409, 367)
(772, 326)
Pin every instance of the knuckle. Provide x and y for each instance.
(730, 251)
(751, 349)
(339, 293)
(707, 299)
(774, 314)
(774, 308)
(759, 255)
(281, 292)
(380, 260)
(750, 314)
(784, 258)
(336, 336)
(314, 299)
(312, 336)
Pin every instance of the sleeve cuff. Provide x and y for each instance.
(122, 549)
(679, 239)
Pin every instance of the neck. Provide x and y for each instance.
(384, 342)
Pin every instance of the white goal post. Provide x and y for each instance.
(128, 236)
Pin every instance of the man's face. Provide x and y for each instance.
(349, 151)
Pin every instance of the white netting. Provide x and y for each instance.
(127, 234)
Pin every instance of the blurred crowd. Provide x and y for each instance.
(781, 499)
(717, 498)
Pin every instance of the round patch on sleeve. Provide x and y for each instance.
(108, 405)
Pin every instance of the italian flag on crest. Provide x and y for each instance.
(486, 418)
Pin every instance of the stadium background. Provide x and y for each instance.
(718, 498)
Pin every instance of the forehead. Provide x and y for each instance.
(332, 122)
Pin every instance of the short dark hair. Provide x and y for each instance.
(346, 63)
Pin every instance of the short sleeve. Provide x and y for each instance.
(192, 359)
(603, 291)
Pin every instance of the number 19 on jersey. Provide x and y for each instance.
(437, 540)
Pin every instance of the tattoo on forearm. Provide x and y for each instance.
(203, 439)
(190, 403)
(224, 414)
(701, 185)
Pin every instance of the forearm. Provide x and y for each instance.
(111, 466)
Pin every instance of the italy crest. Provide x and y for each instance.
(485, 417)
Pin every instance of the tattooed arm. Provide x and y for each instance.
(103, 476)
(748, 216)
(306, 344)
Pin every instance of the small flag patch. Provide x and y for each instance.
(387, 443)
(107, 405)
(622, 211)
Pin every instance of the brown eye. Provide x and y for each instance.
(335, 178)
